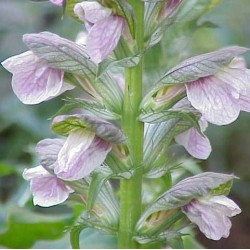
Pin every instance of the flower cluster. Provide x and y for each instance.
(209, 88)
(68, 159)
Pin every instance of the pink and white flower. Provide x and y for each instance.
(80, 155)
(33, 81)
(47, 189)
(104, 29)
(220, 97)
(211, 214)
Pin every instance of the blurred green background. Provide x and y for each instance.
(22, 126)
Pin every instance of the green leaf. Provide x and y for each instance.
(97, 181)
(186, 190)
(24, 228)
(6, 169)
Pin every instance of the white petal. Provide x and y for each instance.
(237, 77)
(225, 205)
(217, 101)
(34, 81)
(30, 173)
(91, 11)
(103, 37)
(210, 221)
(49, 191)
(81, 154)
(245, 102)
(46, 189)
(197, 145)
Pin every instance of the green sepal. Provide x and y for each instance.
(223, 189)
(65, 124)
(68, 125)
(159, 136)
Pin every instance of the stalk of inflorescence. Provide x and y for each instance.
(130, 190)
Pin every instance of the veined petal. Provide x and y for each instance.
(46, 188)
(48, 150)
(33, 81)
(224, 204)
(91, 11)
(245, 102)
(81, 154)
(216, 100)
(238, 78)
(103, 37)
(57, 2)
(211, 222)
(211, 214)
(37, 172)
(197, 145)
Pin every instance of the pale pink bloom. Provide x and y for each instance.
(220, 97)
(57, 2)
(104, 29)
(47, 189)
(194, 142)
(33, 81)
(80, 155)
(211, 214)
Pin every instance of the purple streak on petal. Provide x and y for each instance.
(216, 100)
(81, 154)
(91, 12)
(245, 102)
(197, 145)
(33, 81)
(57, 2)
(103, 37)
(46, 188)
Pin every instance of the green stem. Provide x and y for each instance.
(130, 190)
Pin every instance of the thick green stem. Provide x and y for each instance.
(130, 190)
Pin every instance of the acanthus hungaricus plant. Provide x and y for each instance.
(124, 124)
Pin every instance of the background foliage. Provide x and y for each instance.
(22, 126)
